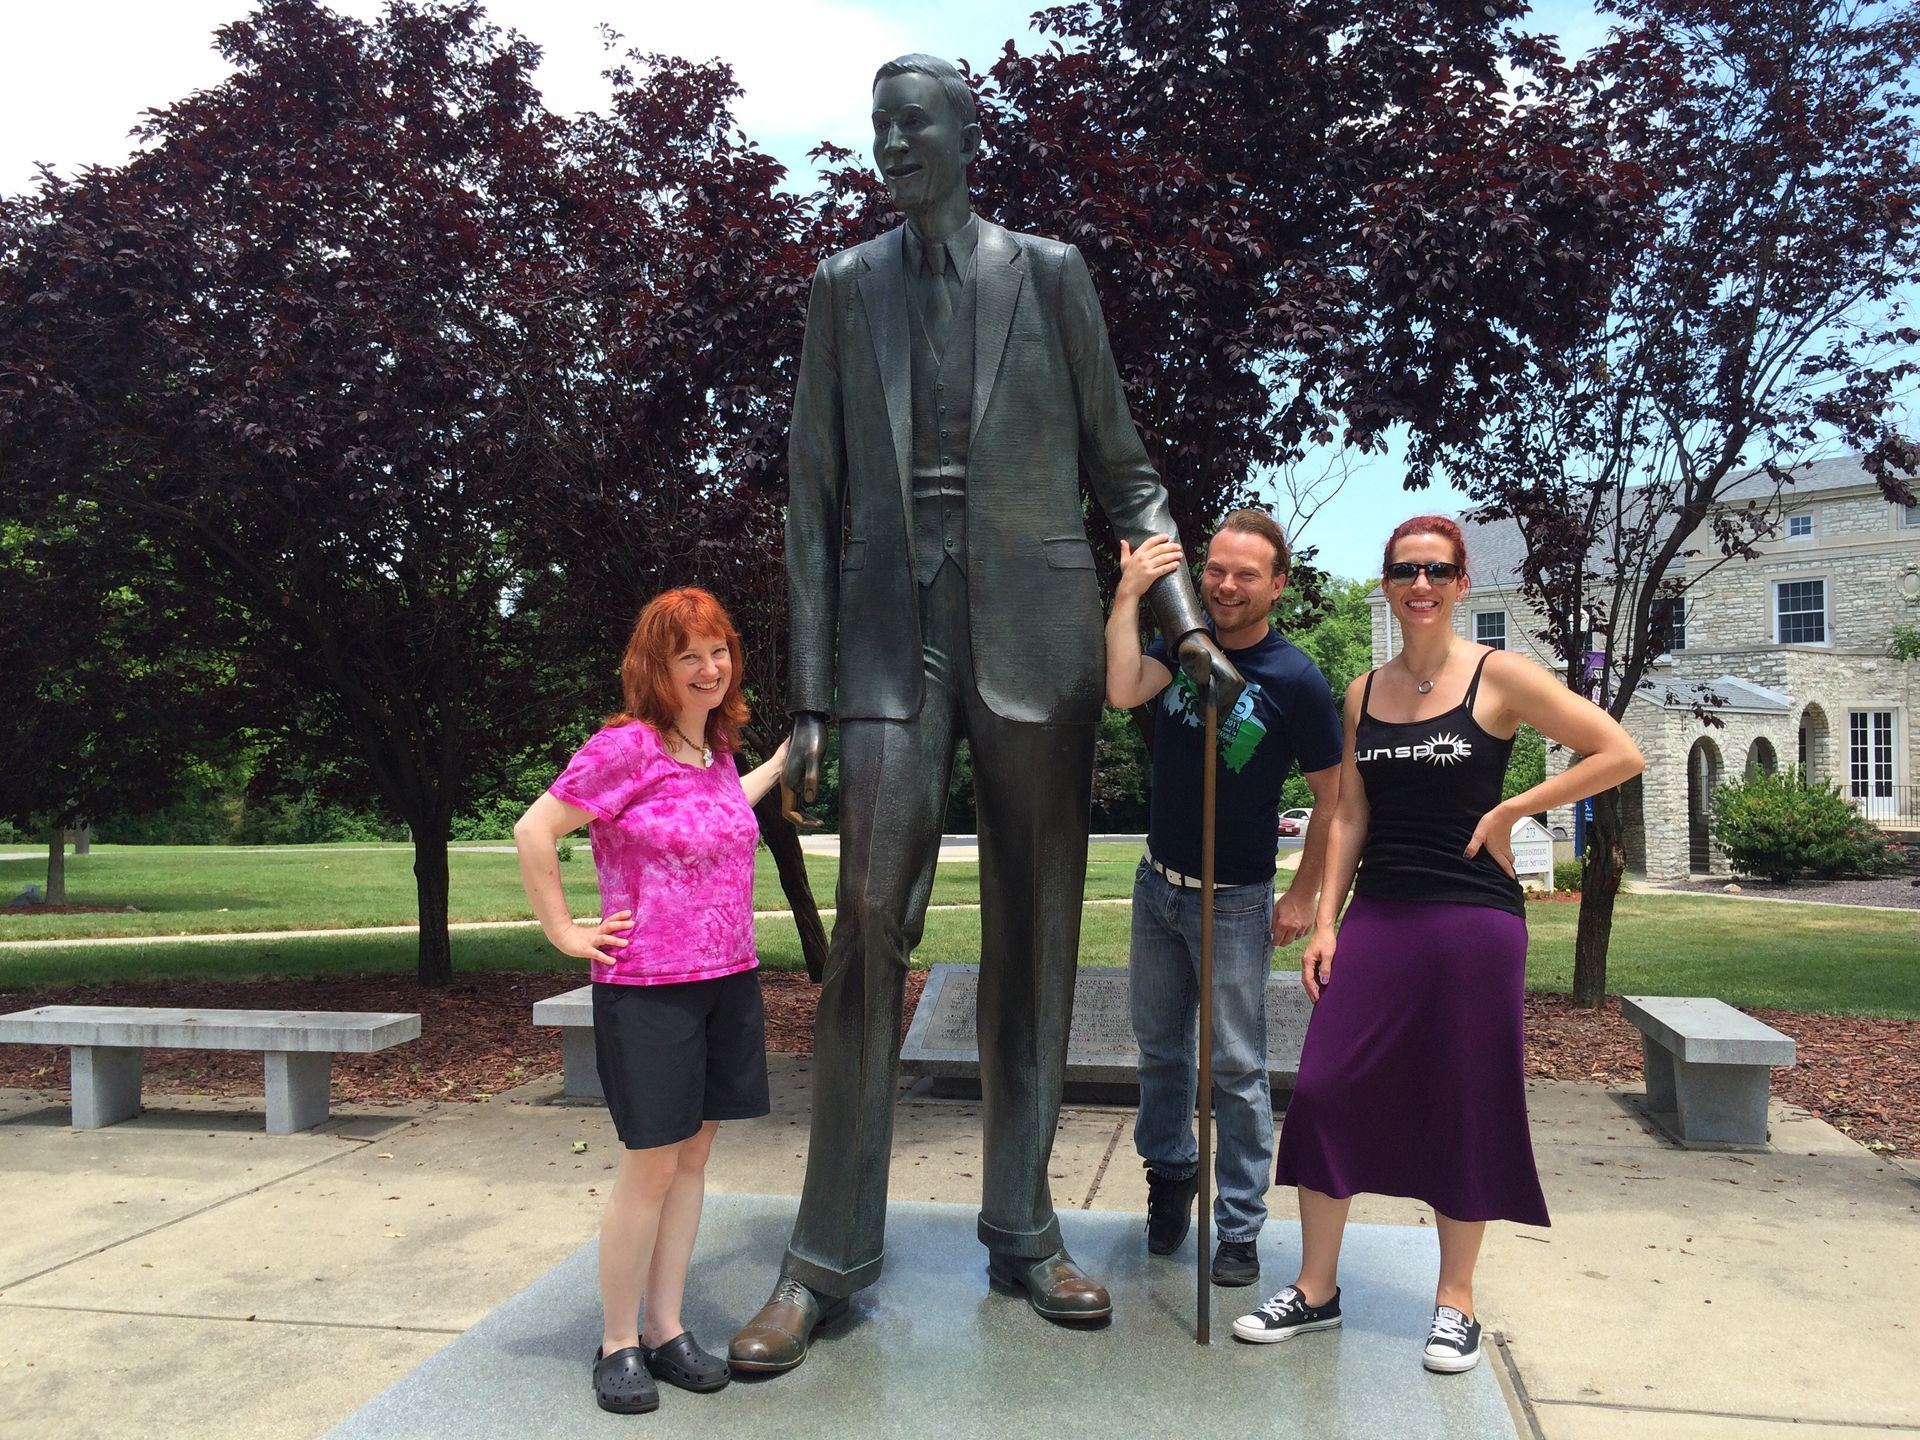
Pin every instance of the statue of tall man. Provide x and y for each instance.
(954, 381)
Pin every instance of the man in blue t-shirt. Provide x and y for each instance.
(1286, 714)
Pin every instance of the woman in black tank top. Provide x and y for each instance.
(1412, 1079)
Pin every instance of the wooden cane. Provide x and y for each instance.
(1203, 1106)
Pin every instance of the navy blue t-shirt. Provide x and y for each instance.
(1286, 713)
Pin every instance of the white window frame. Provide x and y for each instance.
(1825, 582)
(1874, 792)
(1497, 643)
(1802, 520)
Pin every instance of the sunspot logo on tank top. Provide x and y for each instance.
(1442, 749)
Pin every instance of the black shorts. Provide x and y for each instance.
(673, 1056)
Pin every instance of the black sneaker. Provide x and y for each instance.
(1236, 1262)
(1453, 1344)
(1169, 1210)
(1286, 1315)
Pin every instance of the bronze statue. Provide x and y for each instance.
(955, 379)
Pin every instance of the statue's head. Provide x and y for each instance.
(924, 131)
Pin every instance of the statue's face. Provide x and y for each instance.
(919, 144)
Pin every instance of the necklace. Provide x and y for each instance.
(1425, 687)
(706, 751)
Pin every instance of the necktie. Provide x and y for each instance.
(939, 311)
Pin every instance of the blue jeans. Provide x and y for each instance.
(1163, 971)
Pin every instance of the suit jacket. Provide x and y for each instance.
(1046, 400)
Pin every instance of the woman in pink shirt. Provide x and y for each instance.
(677, 1019)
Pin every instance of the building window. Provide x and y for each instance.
(1490, 628)
(1910, 517)
(1669, 612)
(1800, 611)
(1799, 526)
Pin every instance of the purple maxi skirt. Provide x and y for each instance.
(1413, 1080)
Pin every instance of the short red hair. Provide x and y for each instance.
(1439, 525)
(665, 628)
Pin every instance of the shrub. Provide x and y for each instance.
(489, 819)
(1526, 766)
(1572, 875)
(1782, 824)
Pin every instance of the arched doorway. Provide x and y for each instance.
(1816, 761)
(1761, 759)
(1703, 773)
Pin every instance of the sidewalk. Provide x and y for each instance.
(186, 1274)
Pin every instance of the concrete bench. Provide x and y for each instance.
(1707, 1067)
(573, 1013)
(109, 1045)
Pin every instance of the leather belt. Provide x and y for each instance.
(1189, 882)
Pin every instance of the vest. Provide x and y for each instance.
(942, 388)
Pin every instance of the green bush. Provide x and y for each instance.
(305, 820)
(1527, 765)
(1781, 825)
(1572, 875)
(490, 819)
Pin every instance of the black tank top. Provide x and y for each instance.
(1428, 783)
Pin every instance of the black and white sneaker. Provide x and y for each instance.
(1453, 1344)
(1286, 1315)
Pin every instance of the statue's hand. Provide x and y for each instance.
(801, 775)
(1212, 674)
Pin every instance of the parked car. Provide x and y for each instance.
(1294, 822)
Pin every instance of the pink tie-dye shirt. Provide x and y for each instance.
(673, 843)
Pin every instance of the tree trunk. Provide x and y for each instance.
(784, 843)
(57, 864)
(1599, 887)
(430, 883)
(83, 838)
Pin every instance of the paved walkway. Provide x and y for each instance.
(186, 1274)
(953, 848)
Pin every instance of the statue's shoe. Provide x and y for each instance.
(776, 1339)
(1055, 1286)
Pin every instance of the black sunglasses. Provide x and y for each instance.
(1439, 572)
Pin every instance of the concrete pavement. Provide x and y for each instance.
(184, 1273)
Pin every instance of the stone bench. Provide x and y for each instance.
(1102, 1057)
(109, 1045)
(573, 1013)
(1707, 1068)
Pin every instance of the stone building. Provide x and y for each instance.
(1788, 650)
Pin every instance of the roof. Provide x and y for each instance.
(1496, 551)
(1732, 693)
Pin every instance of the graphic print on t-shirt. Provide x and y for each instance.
(1240, 733)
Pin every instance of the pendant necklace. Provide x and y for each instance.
(706, 751)
(1425, 687)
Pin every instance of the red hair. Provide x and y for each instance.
(665, 628)
(1439, 525)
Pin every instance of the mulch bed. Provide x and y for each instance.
(477, 1039)
(1899, 890)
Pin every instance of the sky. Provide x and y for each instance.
(75, 76)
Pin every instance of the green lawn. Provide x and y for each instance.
(207, 890)
(1791, 957)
